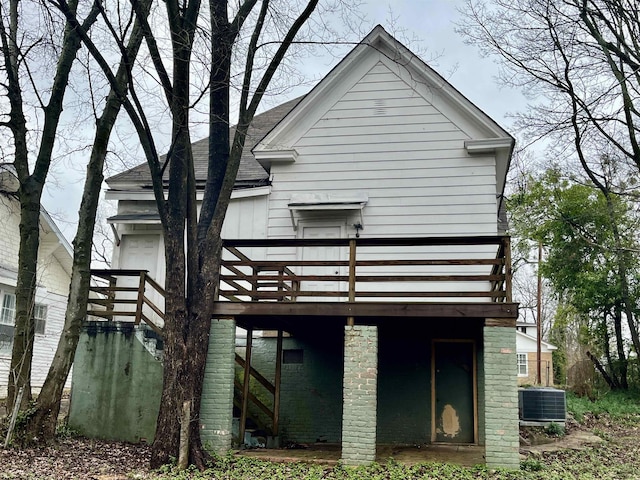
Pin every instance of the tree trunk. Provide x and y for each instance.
(42, 424)
(185, 356)
(623, 362)
(24, 334)
(606, 345)
(601, 369)
(30, 192)
(622, 261)
(188, 317)
(186, 329)
(181, 321)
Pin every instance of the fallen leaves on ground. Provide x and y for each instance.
(75, 458)
(617, 458)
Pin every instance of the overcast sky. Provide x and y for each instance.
(430, 26)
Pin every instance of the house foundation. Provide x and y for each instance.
(117, 383)
(360, 394)
(217, 393)
(500, 398)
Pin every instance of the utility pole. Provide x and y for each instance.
(539, 321)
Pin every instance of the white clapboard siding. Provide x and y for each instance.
(44, 347)
(386, 140)
(245, 218)
(409, 119)
(52, 290)
(457, 176)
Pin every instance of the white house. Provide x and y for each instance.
(53, 276)
(527, 356)
(369, 217)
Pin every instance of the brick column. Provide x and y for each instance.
(501, 398)
(216, 409)
(359, 394)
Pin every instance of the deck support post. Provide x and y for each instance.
(360, 383)
(352, 277)
(500, 398)
(245, 386)
(278, 378)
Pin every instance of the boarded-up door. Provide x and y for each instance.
(327, 254)
(453, 406)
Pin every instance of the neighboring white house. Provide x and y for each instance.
(527, 355)
(54, 272)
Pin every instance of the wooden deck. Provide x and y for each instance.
(353, 280)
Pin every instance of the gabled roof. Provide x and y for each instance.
(273, 132)
(529, 338)
(250, 173)
(380, 45)
(49, 230)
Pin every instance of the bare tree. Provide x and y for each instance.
(24, 51)
(579, 60)
(41, 424)
(260, 35)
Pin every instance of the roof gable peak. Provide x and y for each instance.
(377, 47)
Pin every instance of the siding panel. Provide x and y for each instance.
(384, 139)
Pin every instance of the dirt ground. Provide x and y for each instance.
(75, 458)
(90, 459)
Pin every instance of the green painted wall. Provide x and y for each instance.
(311, 395)
(311, 392)
(116, 385)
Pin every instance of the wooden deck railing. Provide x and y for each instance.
(127, 293)
(393, 270)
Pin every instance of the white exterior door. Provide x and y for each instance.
(140, 252)
(321, 253)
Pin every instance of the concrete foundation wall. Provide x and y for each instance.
(116, 385)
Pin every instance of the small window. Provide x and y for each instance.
(293, 356)
(8, 311)
(40, 317)
(523, 365)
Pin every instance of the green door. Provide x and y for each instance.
(453, 381)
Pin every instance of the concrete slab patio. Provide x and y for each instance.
(329, 454)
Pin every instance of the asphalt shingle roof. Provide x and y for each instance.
(251, 173)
